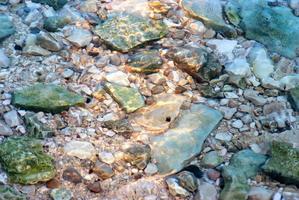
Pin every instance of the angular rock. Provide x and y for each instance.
(128, 98)
(11, 118)
(103, 170)
(25, 162)
(206, 191)
(35, 128)
(72, 175)
(259, 193)
(82, 150)
(187, 180)
(175, 189)
(224, 47)
(95, 187)
(118, 77)
(119, 126)
(80, 37)
(138, 155)
(151, 169)
(158, 117)
(124, 32)
(31, 48)
(56, 4)
(238, 71)
(210, 13)
(196, 61)
(145, 62)
(211, 160)
(177, 146)
(9, 193)
(243, 165)
(61, 194)
(46, 97)
(293, 97)
(4, 129)
(46, 41)
(280, 26)
(283, 164)
(4, 60)
(254, 97)
(53, 23)
(6, 26)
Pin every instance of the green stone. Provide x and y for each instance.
(35, 128)
(280, 28)
(25, 162)
(128, 98)
(174, 149)
(6, 26)
(52, 24)
(293, 97)
(124, 32)
(56, 4)
(9, 193)
(210, 13)
(283, 164)
(46, 97)
(145, 62)
(211, 160)
(61, 194)
(243, 165)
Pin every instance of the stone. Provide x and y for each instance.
(260, 193)
(243, 165)
(89, 6)
(294, 4)
(290, 194)
(187, 180)
(224, 47)
(213, 174)
(79, 149)
(293, 97)
(53, 183)
(80, 37)
(237, 124)
(61, 194)
(6, 27)
(35, 128)
(253, 96)
(228, 112)
(211, 160)
(238, 71)
(124, 32)
(138, 155)
(151, 169)
(5, 130)
(178, 145)
(25, 162)
(122, 126)
(103, 170)
(106, 157)
(46, 41)
(210, 13)
(31, 48)
(206, 191)
(196, 61)
(4, 60)
(53, 23)
(56, 4)
(10, 193)
(118, 77)
(11, 118)
(283, 163)
(145, 62)
(175, 189)
(72, 175)
(279, 34)
(128, 98)
(95, 187)
(224, 136)
(46, 97)
(158, 116)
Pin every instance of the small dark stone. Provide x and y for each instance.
(95, 187)
(187, 180)
(72, 175)
(34, 30)
(53, 183)
(180, 89)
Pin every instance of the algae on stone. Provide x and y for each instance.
(35, 128)
(128, 98)
(243, 165)
(46, 97)
(293, 97)
(9, 193)
(283, 164)
(56, 4)
(6, 26)
(124, 32)
(25, 162)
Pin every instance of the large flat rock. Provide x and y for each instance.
(177, 146)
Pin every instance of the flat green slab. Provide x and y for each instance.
(128, 98)
(173, 149)
(6, 26)
(25, 162)
(46, 97)
(124, 32)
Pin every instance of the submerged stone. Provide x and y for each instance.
(124, 32)
(25, 162)
(61, 194)
(9, 193)
(6, 26)
(283, 164)
(56, 4)
(293, 97)
(210, 13)
(145, 62)
(46, 97)
(128, 98)
(243, 165)
(35, 128)
(53, 23)
(138, 155)
(280, 28)
(177, 146)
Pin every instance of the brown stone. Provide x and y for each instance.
(53, 183)
(103, 170)
(95, 187)
(72, 175)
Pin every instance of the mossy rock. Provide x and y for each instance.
(6, 26)
(56, 4)
(125, 31)
(52, 24)
(46, 97)
(35, 128)
(9, 193)
(25, 162)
